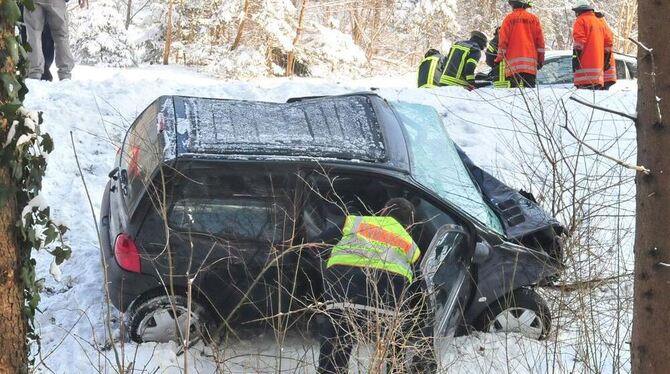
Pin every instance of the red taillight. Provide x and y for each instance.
(126, 253)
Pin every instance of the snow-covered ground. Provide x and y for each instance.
(510, 134)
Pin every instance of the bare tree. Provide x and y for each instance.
(240, 29)
(290, 59)
(650, 349)
(168, 33)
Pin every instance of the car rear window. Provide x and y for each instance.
(141, 155)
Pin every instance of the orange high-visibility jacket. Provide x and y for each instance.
(610, 74)
(521, 43)
(591, 41)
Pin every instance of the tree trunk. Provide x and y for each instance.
(129, 12)
(356, 29)
(240, 29)
(12, 323)
(650, 348)
(168, 34)
(375, 30)
(290, 59)
(626, 26)
(12, 319)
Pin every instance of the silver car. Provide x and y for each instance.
(558, 68)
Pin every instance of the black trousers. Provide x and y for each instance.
(359, 300)
(522, 80)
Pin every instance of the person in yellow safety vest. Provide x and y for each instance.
(497, 73)
(430, 69)
(462, 60)
(365, 277)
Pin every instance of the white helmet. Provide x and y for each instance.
(582, 5)
(521, 3)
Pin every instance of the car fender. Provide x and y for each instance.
(509, 267)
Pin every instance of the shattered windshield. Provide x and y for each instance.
(436, 164)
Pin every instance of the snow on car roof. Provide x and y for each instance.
(343, 127)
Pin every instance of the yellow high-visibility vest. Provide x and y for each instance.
(377, 243)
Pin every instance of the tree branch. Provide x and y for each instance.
(622, 114)
(640, 169)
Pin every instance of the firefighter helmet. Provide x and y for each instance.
(479, 38)
(521, 3)
(582, 5)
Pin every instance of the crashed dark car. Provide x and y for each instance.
(210, 198)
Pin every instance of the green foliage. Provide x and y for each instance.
(23, 148)
(10, 13)
(25, 154)
(10, 86)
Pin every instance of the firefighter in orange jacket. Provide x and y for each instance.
(592, 47)
(610, 70)
(521, 45)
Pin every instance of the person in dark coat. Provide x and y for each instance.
(430, 69)
(497, 73)
(365, 278)
(462, 60)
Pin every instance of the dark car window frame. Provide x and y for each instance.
(412, 191)
(276, 198)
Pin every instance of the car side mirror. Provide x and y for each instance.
(114, 173)
(482, 252)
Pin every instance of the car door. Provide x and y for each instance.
(445, 269)
(232, 223)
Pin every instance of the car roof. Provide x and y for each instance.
(345, 127)
(562, 53)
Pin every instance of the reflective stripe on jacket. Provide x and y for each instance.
(501, 81)
(521, 43)
(610, 74)
(592, 40)
(429, 73)
(497, 69)
(461, 63)
(377, 243)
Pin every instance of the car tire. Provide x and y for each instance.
(154, 318)
(523, 312)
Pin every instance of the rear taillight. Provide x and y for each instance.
(126, 253)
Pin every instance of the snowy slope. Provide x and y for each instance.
(497, 130)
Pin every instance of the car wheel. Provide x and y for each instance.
(165, 318)
(523, 312)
